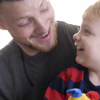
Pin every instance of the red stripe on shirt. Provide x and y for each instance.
(54, 95)
(71, 73)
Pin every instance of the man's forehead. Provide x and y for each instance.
(20, 6)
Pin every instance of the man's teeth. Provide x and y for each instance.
(45, 35)
(42, 36)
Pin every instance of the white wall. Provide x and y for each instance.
(69, 11)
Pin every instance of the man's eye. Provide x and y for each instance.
(28, 22)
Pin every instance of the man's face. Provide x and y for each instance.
(31, 23)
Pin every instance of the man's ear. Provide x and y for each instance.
(2, 26)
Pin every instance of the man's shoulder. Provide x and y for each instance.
(9, 51)
(67, 25)
(65, 34)
(67, 28)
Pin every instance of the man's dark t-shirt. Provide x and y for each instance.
(24, 77)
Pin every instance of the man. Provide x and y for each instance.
(40, 48)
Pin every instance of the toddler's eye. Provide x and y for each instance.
(86, 31)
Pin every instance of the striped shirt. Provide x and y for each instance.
(75, 76)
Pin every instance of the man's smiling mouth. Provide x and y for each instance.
(44, 35)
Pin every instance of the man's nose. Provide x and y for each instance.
(41, 26)
(76, 36)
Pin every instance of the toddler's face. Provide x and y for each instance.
(87, 42)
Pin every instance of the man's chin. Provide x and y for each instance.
(49, 45)
(44, 49)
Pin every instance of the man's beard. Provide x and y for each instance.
(38, 47)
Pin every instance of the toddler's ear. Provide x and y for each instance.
(92, 95)
(2, 26)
